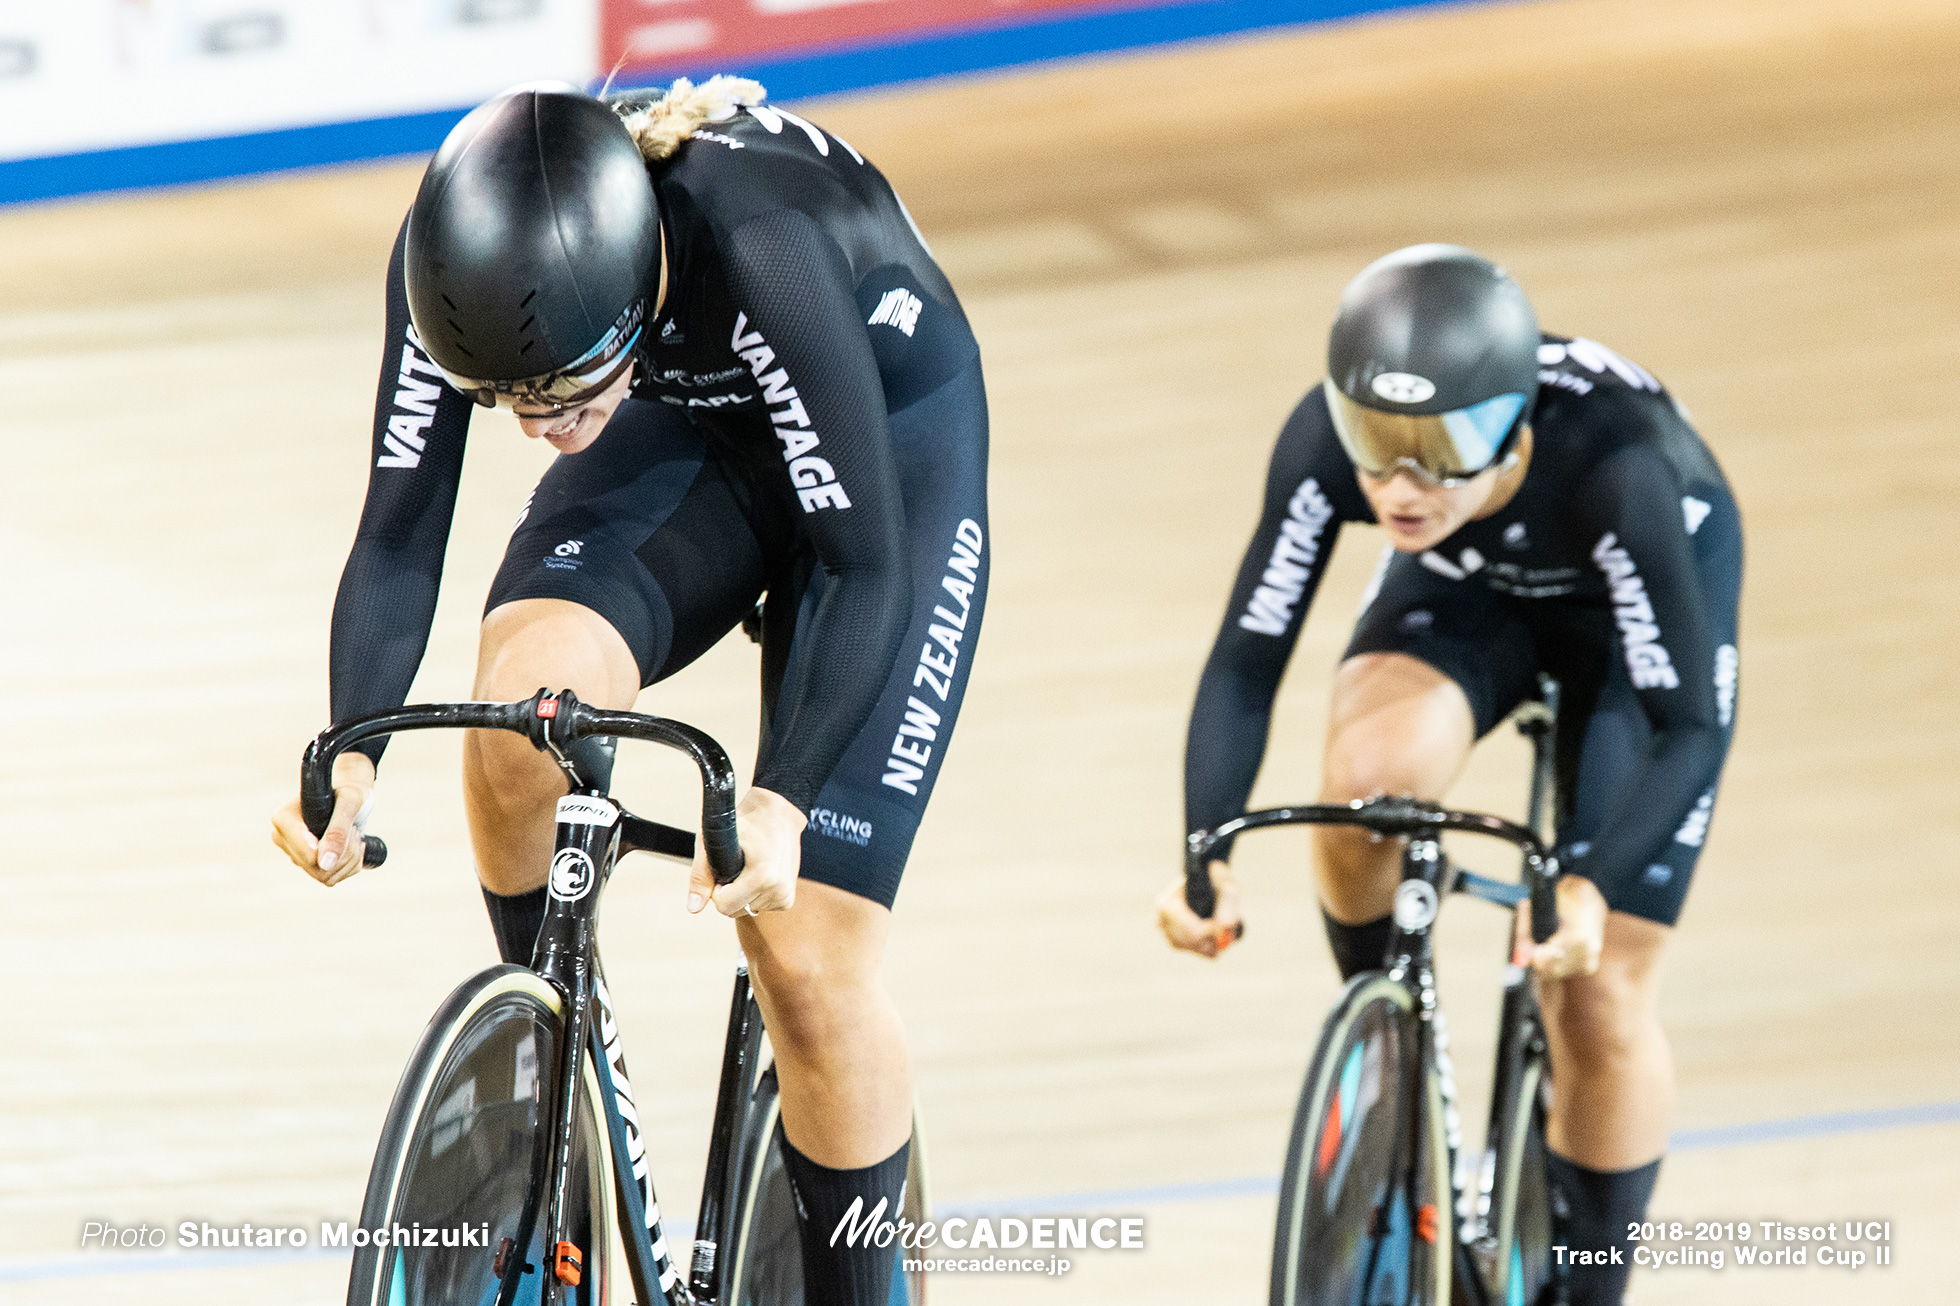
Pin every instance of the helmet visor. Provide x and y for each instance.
(1438, 447)
(577, 382)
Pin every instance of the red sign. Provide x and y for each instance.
(692, 33)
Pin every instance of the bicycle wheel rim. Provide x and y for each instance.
(1350, 1232)
(768, 1266)
(1524, 1212)
(463, 1150)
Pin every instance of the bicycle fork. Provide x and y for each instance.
(1425, 878)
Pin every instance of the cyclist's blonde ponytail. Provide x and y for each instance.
(660, 127)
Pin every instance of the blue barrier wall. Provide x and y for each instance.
(965, 50)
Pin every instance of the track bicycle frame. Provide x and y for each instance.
(1428, 875)
(593, 832)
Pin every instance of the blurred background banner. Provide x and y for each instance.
(83, 82)
(652, 33)
(816, 47)
(115, 94)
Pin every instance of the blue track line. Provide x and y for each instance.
(1835, 1124)
(1830, 1125)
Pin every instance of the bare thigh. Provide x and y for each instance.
(508, 786)
(1397, 726)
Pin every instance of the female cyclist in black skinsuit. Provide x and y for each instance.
(761, 387)
(1549, 507)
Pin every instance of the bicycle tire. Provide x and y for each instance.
(1348, 1233)
(1521, 1203)
(767, 1264)
(463, 1148)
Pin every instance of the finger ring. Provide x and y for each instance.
(749, 907)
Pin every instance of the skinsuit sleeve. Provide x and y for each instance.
(387, 596)
(802, 335)
(1310, 492)
(1630, 507)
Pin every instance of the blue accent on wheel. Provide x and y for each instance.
(1350, 1087)
(1391, 1281)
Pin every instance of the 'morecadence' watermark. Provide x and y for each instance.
(1051, 1266)
(959, 1233)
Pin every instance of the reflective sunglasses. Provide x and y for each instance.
(578, 382)
(1439, 449)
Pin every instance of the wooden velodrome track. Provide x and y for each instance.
(1754, 198)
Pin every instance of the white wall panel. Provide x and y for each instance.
(81, 75)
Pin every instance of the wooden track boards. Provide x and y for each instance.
(1752, 198)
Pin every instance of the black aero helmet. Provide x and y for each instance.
(534, 249)
(1432, 365)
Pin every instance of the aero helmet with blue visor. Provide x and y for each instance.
(1432, 365)
(533, 250)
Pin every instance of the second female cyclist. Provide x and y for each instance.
(1548, 507)
(760, 387)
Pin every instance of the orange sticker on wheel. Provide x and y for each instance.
(1330, 1137)
(568, 1264)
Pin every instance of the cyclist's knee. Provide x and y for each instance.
(555, 644)
(810, 1000)
(1362, 763)
(1361, 767)
(527, 645)
(807, 997)
(1608, 1018)
(507, 772)
(1397, 726)
(816, 966)
(1598, 1021)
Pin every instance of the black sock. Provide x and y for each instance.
(836, 1272)
(516, 920)
(1357, 947)
(1598, 1205)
